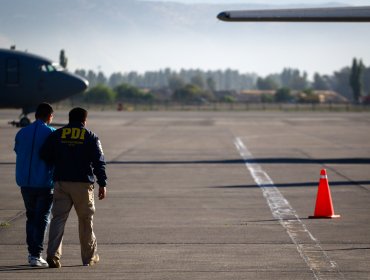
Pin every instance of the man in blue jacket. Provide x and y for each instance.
(35, 179)
(77, 155)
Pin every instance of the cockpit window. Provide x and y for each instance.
(47, 68)
(51, 67)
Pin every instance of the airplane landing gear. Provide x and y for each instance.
(24, 121)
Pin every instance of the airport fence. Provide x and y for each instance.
(218, 106)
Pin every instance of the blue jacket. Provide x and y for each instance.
(30, 170)
(76, 153)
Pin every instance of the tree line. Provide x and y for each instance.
(353, 82)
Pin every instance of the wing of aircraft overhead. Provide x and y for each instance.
(342, 14)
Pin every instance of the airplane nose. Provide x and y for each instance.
(61, 84)
(78, 84)
(84, 84)
(73, 84)
(223, 16)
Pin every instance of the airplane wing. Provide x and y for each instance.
(342, 14)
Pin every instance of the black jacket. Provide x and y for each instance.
(76, 153)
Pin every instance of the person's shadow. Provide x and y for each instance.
(9, 268)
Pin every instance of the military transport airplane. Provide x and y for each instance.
(339, 14)
(27, 80)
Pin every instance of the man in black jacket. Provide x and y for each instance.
(77, 155)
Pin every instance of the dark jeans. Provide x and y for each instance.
(38, 203)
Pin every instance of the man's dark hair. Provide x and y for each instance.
(43, 111)
(77, 115)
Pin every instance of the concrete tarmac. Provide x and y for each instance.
(185, 203)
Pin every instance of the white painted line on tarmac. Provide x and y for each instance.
(308, 246)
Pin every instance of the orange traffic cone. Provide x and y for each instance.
(324, 205)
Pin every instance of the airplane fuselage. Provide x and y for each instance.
(27, 79)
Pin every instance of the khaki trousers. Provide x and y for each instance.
(81, 195)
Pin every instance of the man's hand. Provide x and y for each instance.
(102, 192)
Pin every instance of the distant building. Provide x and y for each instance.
(329, 96)
(256, 96)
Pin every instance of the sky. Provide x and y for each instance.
(208, 44)
(295, 54)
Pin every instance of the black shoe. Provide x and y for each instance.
(53, 262)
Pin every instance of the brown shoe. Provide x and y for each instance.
(53, 262)
(95, 259)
